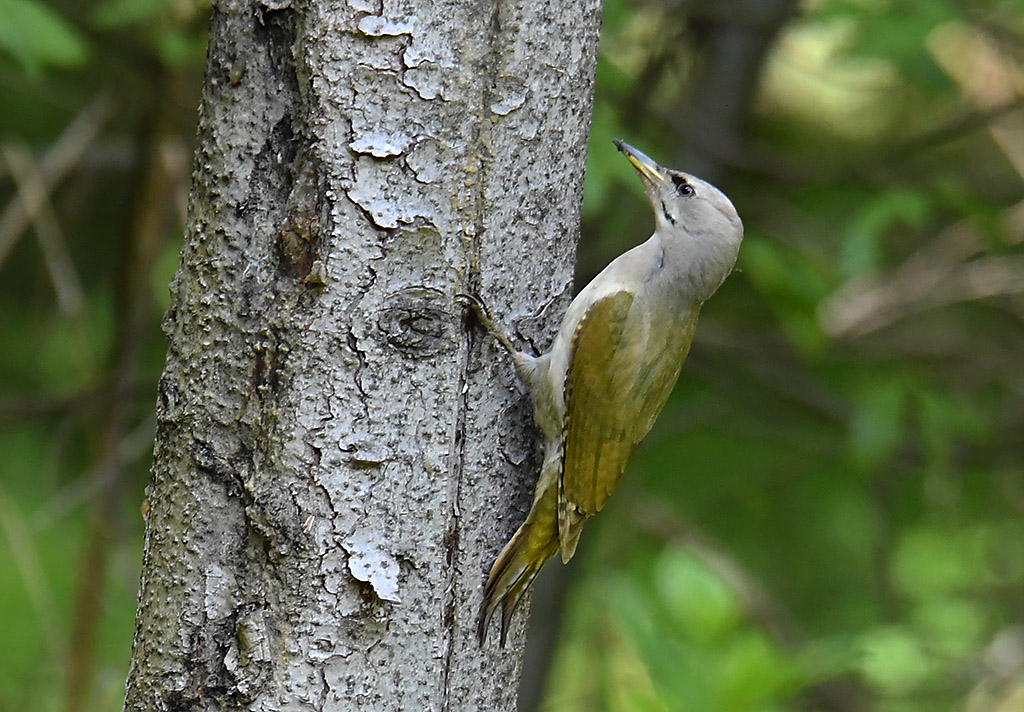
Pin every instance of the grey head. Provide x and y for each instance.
(695, 220)
(685, 202)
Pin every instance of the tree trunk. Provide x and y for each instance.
(339, 454)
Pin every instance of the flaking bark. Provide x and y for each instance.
(339, 455)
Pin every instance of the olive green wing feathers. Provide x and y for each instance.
(622, 367)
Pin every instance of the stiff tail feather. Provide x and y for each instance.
(517, 565)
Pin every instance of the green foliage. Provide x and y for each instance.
(36, 37)
(168, 25)
(69, 507)
(681, 631)
(877, 424)
(793, 283)
(895, 32)
(861, 248)
(893, 660)
(830, 511)
(695, 598)
(124, 13)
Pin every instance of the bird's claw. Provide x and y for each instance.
(480, 310)
(483, 315)
(471, 301)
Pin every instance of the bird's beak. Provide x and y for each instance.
(648, 169)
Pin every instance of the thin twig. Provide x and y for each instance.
(947, 270)
(861, 308)
(98, 479)
(55, 165)
(33, 194)
(81, 404)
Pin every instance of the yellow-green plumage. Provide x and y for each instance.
(622, 361)
(610, 369)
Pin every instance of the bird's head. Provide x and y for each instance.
(684, 203)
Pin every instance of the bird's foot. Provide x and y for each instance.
(483, 316)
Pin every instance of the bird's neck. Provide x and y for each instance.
(696, 265)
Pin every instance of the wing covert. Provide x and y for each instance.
(621, 370)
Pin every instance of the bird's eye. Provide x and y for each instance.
(682, 187)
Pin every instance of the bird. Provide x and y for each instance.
(611, 366)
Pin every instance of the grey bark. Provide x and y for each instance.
(339, 454)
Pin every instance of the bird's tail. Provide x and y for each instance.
(517, 565)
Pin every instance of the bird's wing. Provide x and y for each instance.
(622, 368)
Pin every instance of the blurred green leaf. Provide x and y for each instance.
(1004, 553)
(792, 284)
(932, 561)
(946, 421)
(603, 164)
(896, 32)
(167, 25)
(704, 605)
(109, 14)
(179, 47)
(36, 36)
(953, 627)
(861, 249)
(754, 673)
(878, 423)
(893, 660)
